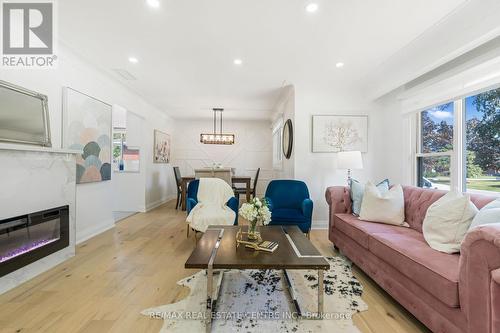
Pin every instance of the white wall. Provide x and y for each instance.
(94, 207)
(392, 142)
(252, 148)
(129, 188)
(318, 170)
(285, 109)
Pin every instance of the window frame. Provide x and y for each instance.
(452, 154)
(458, 155)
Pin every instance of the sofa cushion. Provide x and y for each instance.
(385, 207)
(447, 221)
(417, 200)
(487, 215)
(358, 190)
(360, 230)
(408, 252)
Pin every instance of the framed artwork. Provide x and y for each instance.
(332, 133)
(161, 149)
(87, 127)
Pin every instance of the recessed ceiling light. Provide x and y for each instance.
(154, 3)
(339, 65)
(238, 62)
(133, 60)
(312, 7)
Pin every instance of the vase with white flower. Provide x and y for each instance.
(255, 212)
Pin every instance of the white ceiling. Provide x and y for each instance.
(186, 47)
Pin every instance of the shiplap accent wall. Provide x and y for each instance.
(252, 148)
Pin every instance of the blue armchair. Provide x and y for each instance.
(290, 204)
(192, 200)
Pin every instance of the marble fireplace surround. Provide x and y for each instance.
(35, 179)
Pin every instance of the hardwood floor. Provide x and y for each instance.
(135, 266)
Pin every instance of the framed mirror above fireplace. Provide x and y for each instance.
(24, 116)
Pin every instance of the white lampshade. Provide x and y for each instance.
(349, 160)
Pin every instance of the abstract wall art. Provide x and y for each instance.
(339, 133)
(161, 149)
(87, 127)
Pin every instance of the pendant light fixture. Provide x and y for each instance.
(217, 138)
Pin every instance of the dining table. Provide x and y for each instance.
(234, 179)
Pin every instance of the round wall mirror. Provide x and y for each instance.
(288, 139)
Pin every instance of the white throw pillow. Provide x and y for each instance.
(487, 215)
(387, 207)
(447, 220)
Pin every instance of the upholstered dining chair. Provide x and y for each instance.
(290, 204)
(178, 181)
(253, 191)
(192, 201)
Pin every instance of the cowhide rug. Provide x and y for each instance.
(257, 301)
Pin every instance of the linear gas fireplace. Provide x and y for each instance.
(28, 238)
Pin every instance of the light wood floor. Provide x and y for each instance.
(135, 266)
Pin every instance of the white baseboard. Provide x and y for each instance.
(319, 225)
(118, 216)
(87, 234)
(158, 203)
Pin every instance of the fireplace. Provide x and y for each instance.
(28, 238)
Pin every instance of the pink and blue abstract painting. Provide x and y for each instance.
(87, 127)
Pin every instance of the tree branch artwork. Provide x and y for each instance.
(341, 134)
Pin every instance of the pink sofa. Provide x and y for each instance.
(447, 292)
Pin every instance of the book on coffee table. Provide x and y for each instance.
(267, 246)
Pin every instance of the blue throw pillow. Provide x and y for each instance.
(358, 189)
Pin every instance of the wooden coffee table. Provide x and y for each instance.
(216, 250)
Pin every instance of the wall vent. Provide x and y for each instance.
(124, 74)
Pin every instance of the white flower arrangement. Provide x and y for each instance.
(256, 211)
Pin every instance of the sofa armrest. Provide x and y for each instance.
(307, 208)
(190, 203)
(339, 199)
(478, 276)
(495, 300)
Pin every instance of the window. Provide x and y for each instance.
(277, 143)
(482, 125)
(434, 172)
(458, 145)
(435, 147)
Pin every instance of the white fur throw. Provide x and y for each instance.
(213, 194)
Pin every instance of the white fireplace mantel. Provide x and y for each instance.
(34, 179)
(18, 147)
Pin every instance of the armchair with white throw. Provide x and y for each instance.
(210, 201)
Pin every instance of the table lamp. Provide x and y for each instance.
(349, 160)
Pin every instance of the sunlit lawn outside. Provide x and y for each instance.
(484, 183)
